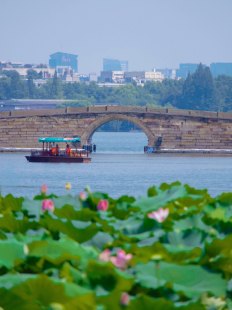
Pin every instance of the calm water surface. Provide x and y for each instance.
(119, 167)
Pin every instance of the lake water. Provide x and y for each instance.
(119, 167)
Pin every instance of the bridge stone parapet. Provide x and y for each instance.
(179, 129)
(117, 109)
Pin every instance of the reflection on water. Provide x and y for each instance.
(119, 167)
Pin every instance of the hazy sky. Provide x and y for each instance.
(148, 33)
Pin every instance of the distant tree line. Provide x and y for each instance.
(198, 91)
(118, 125)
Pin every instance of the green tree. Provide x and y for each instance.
(5, 88)
(17, 87)
(31, 75)
(56, 90)
(223, 85)
(164, 93)
(198, 90)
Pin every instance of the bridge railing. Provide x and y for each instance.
(116, 109)
(27, 113)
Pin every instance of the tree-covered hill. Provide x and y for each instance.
(199, 91)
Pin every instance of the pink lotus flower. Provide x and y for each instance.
(105, 256)
(121, 260)
(44, 189)
(125, 299)
(103, 205)
(48, 205)
(159, 215)
(82, 196)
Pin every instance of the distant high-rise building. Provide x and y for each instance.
(143, 76)
(112, 76)
(115, 65)
(185, 69)
(64, 60)
(167, 73)
(221, 68)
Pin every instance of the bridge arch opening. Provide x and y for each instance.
(118, 133)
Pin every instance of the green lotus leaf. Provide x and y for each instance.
(168, 193)
(67, 200)
(165, 194)
(189, 280)
(44, 293)
(108, 277)
(152, 191)
(32, 235)
(121, 213)
(57, 251)
(147, 303)
(109, 300)
(187, 206)
(167, 186)
(9, 203)
(9, 223)
(219, 217)
(9, 280)
(12, 253)
(191, 222)
(148, 238)
(145, 238)
(125, 200)
(73, 275)
(218, 214)
(189, 238)
(2, 236)
(32, 207)
(229, 287)
(129, 226)
(68, 212)
(10, 301)
(190, 305)
(225, 199)
(145, 254)
(100, 240)
(219, 255)
(80, 224)
(123, 207)
(183, 254)
(184, 262)
(56, 226)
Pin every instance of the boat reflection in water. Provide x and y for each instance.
(52, 153)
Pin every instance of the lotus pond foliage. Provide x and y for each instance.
(168, 250)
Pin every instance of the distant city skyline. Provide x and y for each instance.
(148, 34)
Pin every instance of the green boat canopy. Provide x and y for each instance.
(57, 139)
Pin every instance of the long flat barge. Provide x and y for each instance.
(57, 159)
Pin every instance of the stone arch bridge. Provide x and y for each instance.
(179, 129)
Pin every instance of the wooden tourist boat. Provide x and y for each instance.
(51, 152)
